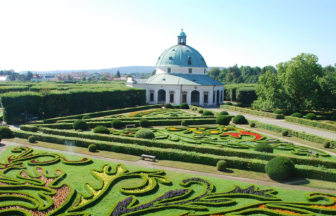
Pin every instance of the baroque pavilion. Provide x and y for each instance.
(181, 77)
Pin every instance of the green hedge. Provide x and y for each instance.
(179, 155)
(312, 123)
(253, 112)
(62, 103)
(189, 147)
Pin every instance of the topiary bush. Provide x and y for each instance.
(101, 130)
(200, 111)
(80, 124)
(263, 147)
(280, 168)
(86, 117)
(221, 165)
(297, 115)
(239, 119)
(207, 113)
(137, 115)
(116, 123)
(223, 113)
(79, 130)
(184, 106)
(144, 122)
(228, 103)
(92, 148)
(284, 133)
(326, 144)
(252, 124)
(5, 132)
(168, 105)
(184, 123)
(310, 116)
(145, 134)
(278, 111)
(223, 119)
(31, 139)
(239, 104)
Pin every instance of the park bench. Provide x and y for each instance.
(130, 125)
(143, 156)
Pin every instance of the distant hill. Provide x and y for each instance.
(127, 69)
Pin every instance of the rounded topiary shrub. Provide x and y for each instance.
(168, 105)
(137, 115)
(284, 133)
(223, 119)
(280, 168)
(278, 111)
(80, 124)
(207, 113)
(86, 117)
(223, 113)
(116, 123)
(326, 144)
(145, 134)
(184, 123)
(221, 165)
(200, 111)
(92, 148)
(297, 115)
(144, 122)
(31, 139)
(79, 130)
(101, 130)
(310, 116)
(252, 124)
(239, 104)
(239, 119)
(184, 106)
(5, 132)
(263, 147)
(228, 103)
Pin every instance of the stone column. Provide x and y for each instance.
(201, 100)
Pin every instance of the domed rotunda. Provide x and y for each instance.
(181, 77)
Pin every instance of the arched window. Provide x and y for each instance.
(189, 60)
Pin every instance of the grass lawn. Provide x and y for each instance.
(226, 196)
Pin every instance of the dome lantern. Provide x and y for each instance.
(182, 38)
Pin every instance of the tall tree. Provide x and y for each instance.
(117, 75)
(29, 76)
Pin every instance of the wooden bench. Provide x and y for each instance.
(130, 125)
(143, 156)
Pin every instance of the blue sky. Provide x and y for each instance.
(93, 34)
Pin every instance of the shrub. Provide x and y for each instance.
(200, 111)
(221, 165)
(239, 104)
(224, 113)
(145, 134)
(5, 132)
(173, 115)
(0, 138)
(184, 106)
(184, 123)
(326, 144)
(144, 122)
(284, 133)
(278, 111)
(280, 168)
(297, 115)
(239, 119)
(80, 124)
(228, 103)
(137, 115)
(116, 123)
(168, 105)
(310, 116)
(252, 124)
(92, 148)
(263, 147)
(86, 117)
(101, 130)
(31, 139)
(223, 119)
(207, 113)
(79, 130)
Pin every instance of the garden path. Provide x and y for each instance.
(4, 144)
(282, 123)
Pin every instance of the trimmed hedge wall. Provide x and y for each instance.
(189, 147)
(179, 155)
(254, 112)
(312, 123)
(58, 103)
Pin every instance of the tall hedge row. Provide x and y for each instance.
(57, 103)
